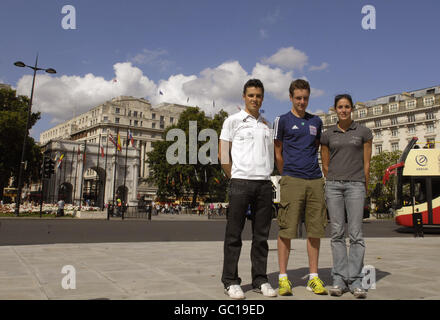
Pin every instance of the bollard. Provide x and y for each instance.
(418, 224)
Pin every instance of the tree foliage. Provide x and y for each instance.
(13, 118)
(180, 180)
(379, 163)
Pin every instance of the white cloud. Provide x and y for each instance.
(152, 58)
(314, 93)
(321, 67)
(62, 97)
(275, 81)
(272, 17)
(289, 58)
(264, 34)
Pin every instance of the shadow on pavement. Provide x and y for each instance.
(297, 275)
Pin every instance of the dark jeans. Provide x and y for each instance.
(257, 193)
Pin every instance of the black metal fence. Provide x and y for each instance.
(129, 212)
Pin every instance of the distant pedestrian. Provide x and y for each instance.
(60, 211)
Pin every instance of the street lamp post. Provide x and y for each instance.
(20, 174)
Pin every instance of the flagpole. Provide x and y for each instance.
(82, 176)
(125, 171)
(65, 166)
(71, 168)
(105, 168)
(97, 173)
(114, 176)
(76, 177)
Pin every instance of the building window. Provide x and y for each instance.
(392, 99)
(378, 148)
(135, 114)
(394, 121)
(377, 110)
(394, 132)
(430, 91)
(411, 104)
(153, 116)
(136, 123)
(378, 134)
(429, 101)
(394, 146)
(171, 119)
(394, 107)
(118, 110)
(362, 113)
(411, 129)
(430, 127)
(116, 120)
(153, 125)
(334, 119)
(161, 118)
(430, 116)
(411, 118)
(377, 123)
(129, 113)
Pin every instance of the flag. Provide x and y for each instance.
(119, 146)
(112, 140)
(102, 151)
(130, 137)
(60, 160)
(216, 180)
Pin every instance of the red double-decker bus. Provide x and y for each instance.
(417, 187)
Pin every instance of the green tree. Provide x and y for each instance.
(379, 163)
(197, 179)
(13, 117)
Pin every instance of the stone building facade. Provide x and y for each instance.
(146, 123)
(395, 119)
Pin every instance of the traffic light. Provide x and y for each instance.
(48, 167)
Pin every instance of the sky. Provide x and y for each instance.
(201, 52)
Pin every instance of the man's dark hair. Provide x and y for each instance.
(299, 84)
(253, 83)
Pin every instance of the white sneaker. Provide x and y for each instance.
(234, 291)
(266, 290)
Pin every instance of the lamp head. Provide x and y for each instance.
(50, 70)
(19, 64)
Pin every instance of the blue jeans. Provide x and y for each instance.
(348, 195)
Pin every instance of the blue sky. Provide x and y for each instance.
(205, 50)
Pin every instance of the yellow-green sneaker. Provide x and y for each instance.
(316, 286)
(284, 287)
